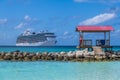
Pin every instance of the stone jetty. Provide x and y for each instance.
(78, 55)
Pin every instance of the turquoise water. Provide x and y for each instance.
(43, 49)
(41, 70)
(59, 70)
(38, 49)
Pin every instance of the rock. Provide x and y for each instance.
(79, 54)
(2, 55)
(7, 56)
(59, 57)
(113, 56)
(71, 55)
(30, 55)
(62, 53)
(14, 54)
(118, 53)
(101, 54)
(20, 57)
(92, 53)
(65, 58)
(44, 55)
(99, 58)
(108, 55)
(55, 56)
(38, 55)
(34, 58)
(25, 54)
(26, 59)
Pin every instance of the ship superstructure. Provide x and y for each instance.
(43, 38)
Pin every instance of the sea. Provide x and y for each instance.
(44, 48)
(57, 70)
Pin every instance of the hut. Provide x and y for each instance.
(87, 43)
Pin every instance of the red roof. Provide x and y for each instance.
(94, 28)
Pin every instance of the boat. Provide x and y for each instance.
(42, 38)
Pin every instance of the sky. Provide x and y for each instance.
(58, 16)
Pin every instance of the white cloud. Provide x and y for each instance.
(66, 33)
(98, 19)
(70, 37)
(20, 25)
(29, 29)
(28, 21)
(27, 17)
(97, 1)
(80, 0)
(3, 21)
(113, 9)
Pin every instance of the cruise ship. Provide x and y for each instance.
(43, 38)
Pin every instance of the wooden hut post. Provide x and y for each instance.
(109, 37)
(105, 36)
(83, 39)
(79, 38)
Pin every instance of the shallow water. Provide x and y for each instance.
(44, 49)
(41, 70)
(38, 48)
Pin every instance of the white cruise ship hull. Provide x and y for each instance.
(45, 43)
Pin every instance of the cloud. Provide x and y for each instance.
(20, 25)
(75, 17)
(28, 21)
(98, 19)
(66, 33)
(81, 1)
(3, 21)
(97, 1)
(29, 29)
(113, 9)
(27, 18)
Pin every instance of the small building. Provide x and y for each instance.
(84, 43)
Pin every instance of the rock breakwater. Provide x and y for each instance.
(60, 56)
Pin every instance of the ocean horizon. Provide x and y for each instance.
(45, 48)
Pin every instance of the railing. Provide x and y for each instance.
(102, 43)
(87, 42)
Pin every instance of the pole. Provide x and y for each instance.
(105, 36)
(82, 39)
(79, 38)
(109, 38)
